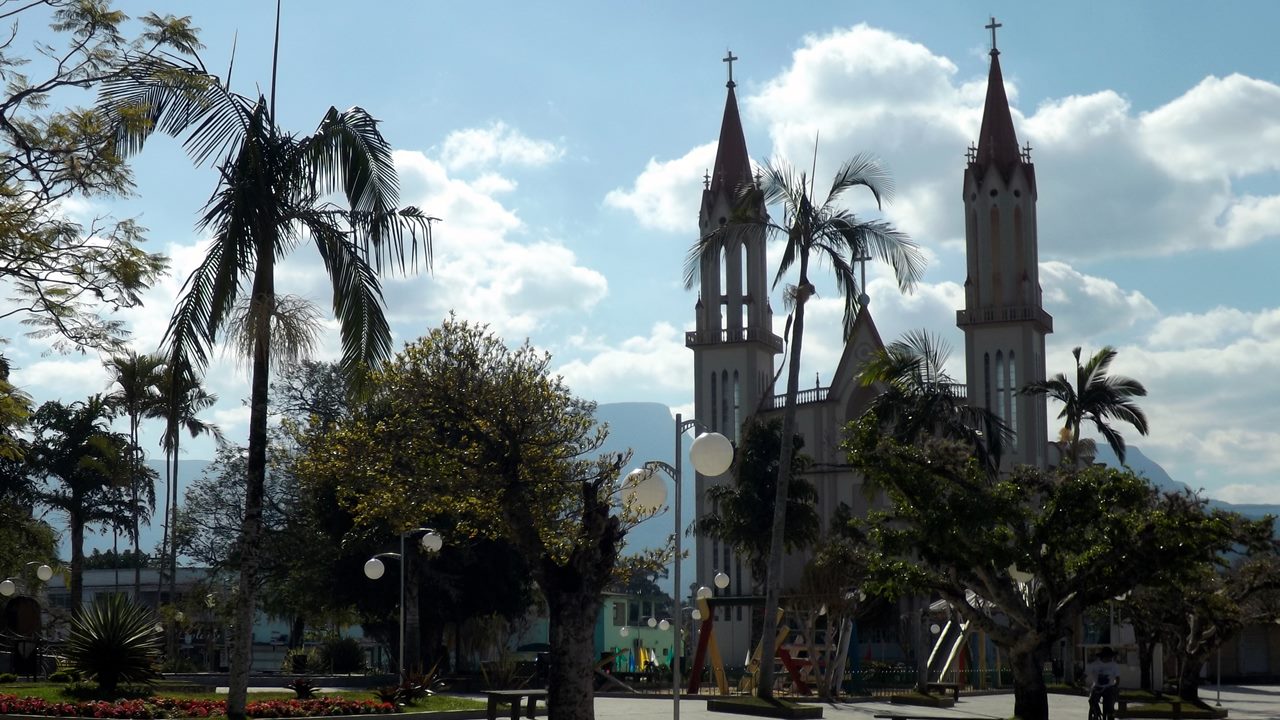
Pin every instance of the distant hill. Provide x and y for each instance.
(1151, 470)
(188, 472)
(649, 430)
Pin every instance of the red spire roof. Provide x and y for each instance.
(997, 142)
(733, 165)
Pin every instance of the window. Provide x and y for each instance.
(619, 614)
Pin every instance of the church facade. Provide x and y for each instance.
(736, 351)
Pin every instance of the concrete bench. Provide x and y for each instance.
(513, 698)
(1175, 708)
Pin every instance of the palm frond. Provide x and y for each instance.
(357, 297)
(864, 170)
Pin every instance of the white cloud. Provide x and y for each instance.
(1113, 182)
(497, 144)
(639, 366)
(1243, 494)
(665, 195)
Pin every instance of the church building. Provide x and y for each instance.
(735, 347)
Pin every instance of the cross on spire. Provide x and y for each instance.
(992, 27)
(706, 180)
(1026, 153)
(971, 154)
(729, 57)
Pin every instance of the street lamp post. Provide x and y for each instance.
(712, 454)
(44, 573)
(374, 569)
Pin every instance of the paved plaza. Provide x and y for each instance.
(1250, 702)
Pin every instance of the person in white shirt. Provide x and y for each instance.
(1104, 675)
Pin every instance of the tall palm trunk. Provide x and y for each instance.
(773, 582)
(133, 475)
(172, 512)
(251, 529)
(76, 522)
(167, 532)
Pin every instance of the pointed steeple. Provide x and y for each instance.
(997, 142)
(733, 165)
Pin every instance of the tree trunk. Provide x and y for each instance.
(919, 640)
(76, 589)
(571, 683)
(173, 498)
(1146, 656)
(1189, 677)
(1030, 698)
(167, 533)
(251, 529)
(773, 580)
(137, 539)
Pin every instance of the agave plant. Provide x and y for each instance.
(114, 641)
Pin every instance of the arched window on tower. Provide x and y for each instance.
(714, 404)
(986, 383)
(1013, 401)
(737, 406)
(724, 402)
(1000, 387)
(996, 295)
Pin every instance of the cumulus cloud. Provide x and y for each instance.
(1113, 181)
(497, 144)
(639, 366)
(666, 193)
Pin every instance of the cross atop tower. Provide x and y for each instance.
(992, 27)
(729, 57)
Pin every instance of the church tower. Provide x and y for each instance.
(733, 343)
(1003, 320)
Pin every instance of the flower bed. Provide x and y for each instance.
(177, 708)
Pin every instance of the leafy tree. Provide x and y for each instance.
(1194, 610)
(136, 378)
(1095, 396)
(813, 232)
(78, 463)
(919, 400)
(112, 560)
(955, 530)
(68, 276)
(273, 190)
(459, 425)
(741, 509)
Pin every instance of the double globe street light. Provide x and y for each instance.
(43, 572)
(711, 454)
(374, 568)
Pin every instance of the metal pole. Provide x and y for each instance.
(1219, 702)
(402, 564)
(678, 615)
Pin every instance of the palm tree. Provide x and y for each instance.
(273, 192)
(79, 463)
(136, 377)
(1095, 396)
(812, 233)
(741, 509)
(918, 399)
(182, 398)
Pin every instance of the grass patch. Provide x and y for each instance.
(53, 692)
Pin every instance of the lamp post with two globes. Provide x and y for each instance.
(374, 569)
(44, 573)
(711, 454)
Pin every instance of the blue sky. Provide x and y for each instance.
(563, 145)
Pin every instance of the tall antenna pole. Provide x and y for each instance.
(275, 63)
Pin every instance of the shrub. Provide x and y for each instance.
(61, 676)
(342, 655)
(113, 641)
(305, 689)
(8, 678)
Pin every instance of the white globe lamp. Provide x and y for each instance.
(644, 490)
(431, 541)
(664, 625)
(653, 622)
(7, 588)
(711, 453)
(45, 573)
(374, 568)
(696, 614)
(625, 631)
(704, 592)
(721, 580)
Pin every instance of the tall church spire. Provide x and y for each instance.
(733, 165)
(1003, 320)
